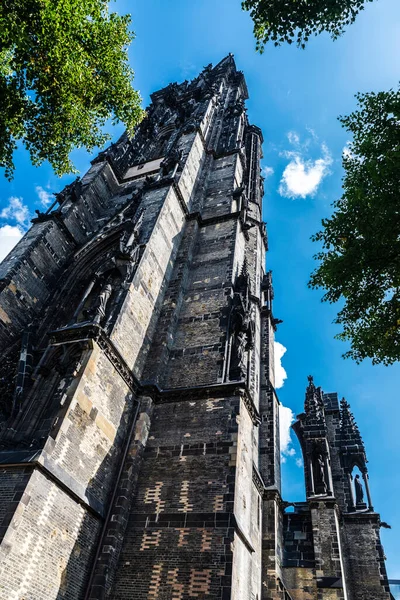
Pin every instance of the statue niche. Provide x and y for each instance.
(109, 280)
(359, 491)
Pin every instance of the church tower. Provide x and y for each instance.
(139, 423)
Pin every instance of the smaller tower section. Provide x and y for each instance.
(347, 554)
(311, 429)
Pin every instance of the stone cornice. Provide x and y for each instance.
(40, 461)
(258, 481)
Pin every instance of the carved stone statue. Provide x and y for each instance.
(359, 490)
(100, 305)
(242, 330)
(239, 354)
(319, 474)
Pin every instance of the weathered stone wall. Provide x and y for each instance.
(30, 273)
(339, 478)
(364, 557)
(13, 484)
(247, 508)
(136, 323)
(301, 583)
(50, 541)
(327, 550)
(91, 436)
(272, 547)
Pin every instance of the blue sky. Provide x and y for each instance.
(295, 97)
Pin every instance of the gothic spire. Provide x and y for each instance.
(314, 404)
(227, 61)
(350, 433)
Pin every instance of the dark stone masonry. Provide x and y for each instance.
(139, 435)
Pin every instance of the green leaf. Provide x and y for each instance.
(296, 20)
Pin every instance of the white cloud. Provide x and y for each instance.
(286, 418)
(16, 211)
(267, 172)
(293, 138)
(299, 462)
(280, 373)
(46, 198)
(312, 133)
(302, 177)
(9, 236)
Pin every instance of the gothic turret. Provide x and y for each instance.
(312, 433)
(337, 519)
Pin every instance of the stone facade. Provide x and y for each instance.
(139, 420)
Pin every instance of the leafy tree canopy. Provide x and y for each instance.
(63, 73)
(296, 20)
(360, 256)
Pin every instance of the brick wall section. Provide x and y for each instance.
(301, 583)
(298, 540)
(182, 518)
(196, 356)
(160, 349)
(143, 302)
(13, 484)
(269, 464)
(90, 437)
(110, 545)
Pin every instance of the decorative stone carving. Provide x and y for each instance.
(319, 466)
(236, 109)
(359, 491)
(99, 308)
(192, 125)
(171, 96)
(211, 91)
(170, 163)
(117, 268)
(241, 327)
(319, 474)
(73, 191)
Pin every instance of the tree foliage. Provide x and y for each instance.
(296, 20)
(63, 73)
(360, 256)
